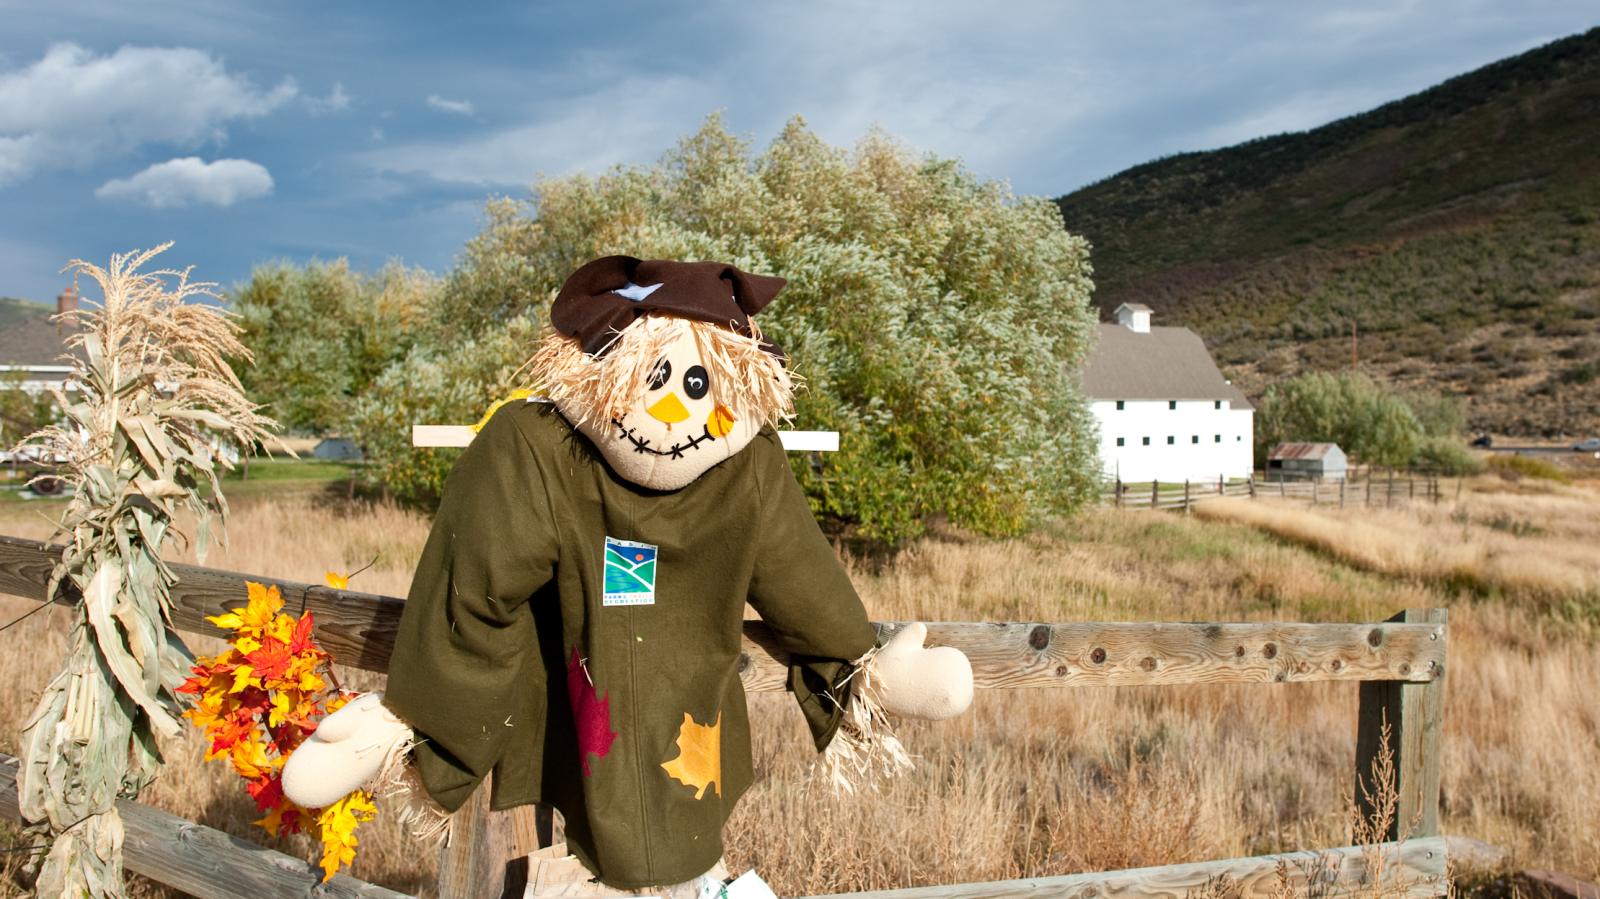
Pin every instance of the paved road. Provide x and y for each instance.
(1566, 450)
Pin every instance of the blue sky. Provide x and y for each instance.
(249, 132)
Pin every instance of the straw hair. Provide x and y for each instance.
(745, 378)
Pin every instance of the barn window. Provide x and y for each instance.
(1219, 404)
(1195, 439)
(1119, 441)
(1171, 440)
(1239, 438)
(1147, 441)
(1219, 438)
(1172, 404)
(1121, 405)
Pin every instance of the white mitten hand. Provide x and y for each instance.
(913, 682)
(347, 749)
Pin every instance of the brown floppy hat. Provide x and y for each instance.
(607, 295)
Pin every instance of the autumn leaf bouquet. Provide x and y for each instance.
(260, 700)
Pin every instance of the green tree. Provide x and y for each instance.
(937, 319)
(21, 411)
(321, 333)
(1367, 421)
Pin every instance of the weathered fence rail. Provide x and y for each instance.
(1138, 495)
(206, 862)
(1399, 664)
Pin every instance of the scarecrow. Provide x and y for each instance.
(574, 623)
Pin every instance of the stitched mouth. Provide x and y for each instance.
(642, 444)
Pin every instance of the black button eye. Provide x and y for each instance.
(660, 374)
(696, 382)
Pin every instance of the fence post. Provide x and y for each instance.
(1252, 484)
(1341, 492)
(1185, 496)
(1119, 492)
(1155, 493)
(1415, 715)
(1413, 482)
(486, 856)
(1388, 493)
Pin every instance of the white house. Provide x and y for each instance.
(34, 346)
(1165, 411)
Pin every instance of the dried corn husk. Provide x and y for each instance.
(146, 408)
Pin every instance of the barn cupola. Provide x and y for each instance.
(1135, 317)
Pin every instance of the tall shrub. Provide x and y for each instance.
(938, 320)
(320, 333)
(1367, 422)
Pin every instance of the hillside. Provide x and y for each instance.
(13, 310)
(1457, 231)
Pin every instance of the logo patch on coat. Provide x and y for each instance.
(630, 573)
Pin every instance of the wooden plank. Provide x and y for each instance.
(487, 852)
(1099, 654)
(486, 857)
(1414, 713)
(359, 629)
(1420, 864)
(207, 863)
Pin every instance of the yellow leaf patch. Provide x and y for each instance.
(699, 761)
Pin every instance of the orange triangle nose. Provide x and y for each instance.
(670, 410)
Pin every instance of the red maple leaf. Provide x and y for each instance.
(267, 793)
(300, 640)
(228, 731)
(590, 711)
(271, 660)
(254, 701)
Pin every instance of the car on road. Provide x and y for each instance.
(1484, 441)
(1587, 446)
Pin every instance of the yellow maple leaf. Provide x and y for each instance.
(337, 825)
(338, 581)
(262, 608)
(699, 761)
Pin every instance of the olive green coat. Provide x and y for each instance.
(510, 595)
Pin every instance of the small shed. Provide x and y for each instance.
(1307, 462)
(336, 448)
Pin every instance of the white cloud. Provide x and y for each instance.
(462, 107)
(180, 182)
(336, 101)
(74, 108)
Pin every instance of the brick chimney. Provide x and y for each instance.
(67, 301)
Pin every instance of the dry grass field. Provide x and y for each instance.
(1049, 782)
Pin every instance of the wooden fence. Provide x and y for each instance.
(1370, 491)
(1399, 666)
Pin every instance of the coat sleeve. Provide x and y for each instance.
(459, 669)
(803, 594)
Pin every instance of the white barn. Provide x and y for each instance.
(1164, 409)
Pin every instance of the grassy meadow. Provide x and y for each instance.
(1056, 781)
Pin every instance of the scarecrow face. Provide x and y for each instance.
(677, 430)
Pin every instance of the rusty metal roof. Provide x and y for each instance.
(1306, 451)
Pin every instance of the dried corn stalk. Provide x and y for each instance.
(144, 411)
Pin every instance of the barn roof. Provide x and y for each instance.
(1163, 364)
